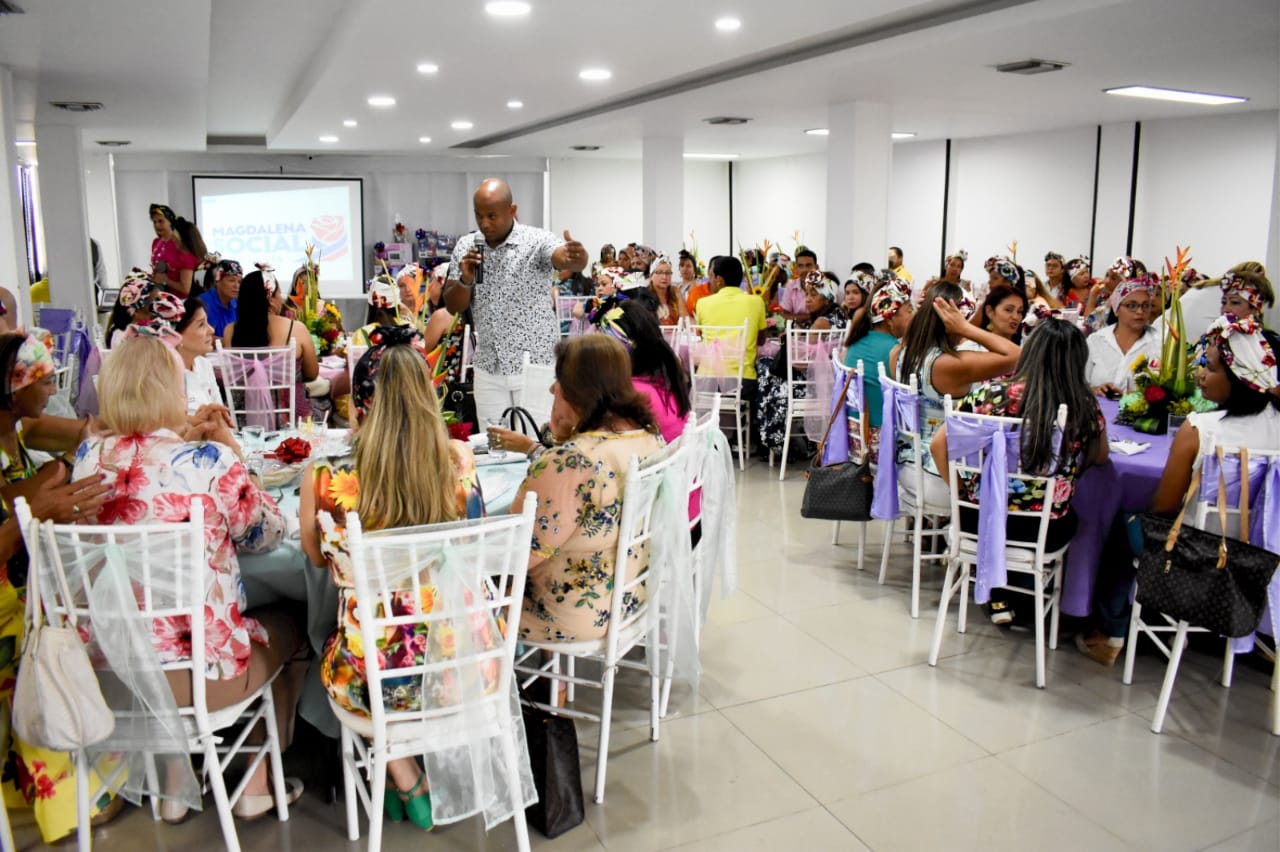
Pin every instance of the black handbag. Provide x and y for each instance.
(842, 491)
(1203, 578)
(460, 398)
(520, 420)
(557, 774)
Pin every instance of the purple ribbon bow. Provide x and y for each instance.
(899, 408)
(1264, 521)
(837, 446)
(964, 439)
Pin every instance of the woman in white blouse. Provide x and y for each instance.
(1114, 348)
(197, 342)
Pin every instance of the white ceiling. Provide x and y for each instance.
(173, 74)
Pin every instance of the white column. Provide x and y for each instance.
(100, 205)
(662, 193)
(13, 244)
(859, 157)
(66, 218)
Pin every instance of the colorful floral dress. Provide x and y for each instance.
(337, 491)
(31, 777)
(579, 485)
(155, 477)
(1003, 398)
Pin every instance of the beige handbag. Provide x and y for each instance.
(57, 702)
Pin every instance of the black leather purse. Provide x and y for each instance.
(842, 491)
(1203, 578)
(521, 420)
(557, 773)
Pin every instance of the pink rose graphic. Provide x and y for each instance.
(330, 232)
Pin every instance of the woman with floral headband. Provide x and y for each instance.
(176, 251)
(1237, 370)
(1078, 283)
(397, 418)
(222, 299)
(1097, 311)
(931, 352)
(872, 336)
(1113, 349)
(34, 777)
(384, 309)
(671, 307)
(140, 301)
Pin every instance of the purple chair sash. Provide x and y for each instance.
(964, 439)
(87, 399)
(899, 408)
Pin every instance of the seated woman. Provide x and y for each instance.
(397, 418)
(930, 351)
(384, 309)
(671, 307)
(870, 340)
(1247, 294)
(1237, 370)
(1001, 313)
(823, 312)
(1050, 373)
(1038, 292)
(1097, 311)
(194, 347)
(155, 464)
(1075, 293)
(256, 327)
(409, 281)
(42, 780)
(857, 289)
(607, 283)
(598, 422)
(1113, 349)
(140, 301)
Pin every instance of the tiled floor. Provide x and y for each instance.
(818, 726)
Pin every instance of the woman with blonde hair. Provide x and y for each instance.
(398, 420)
(671, 307)
(156, 463)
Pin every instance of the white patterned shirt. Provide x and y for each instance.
(512, 307)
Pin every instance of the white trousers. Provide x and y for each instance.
(494, 394)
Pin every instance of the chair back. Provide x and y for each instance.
(468, 352)
(982, 450)
(900, 422)
(571, 326)
(676, 334)
(858, 426)
(1264, 496)
(535, 389)
(259, 384)
(697, 434)
(717, 360)
(61, 323)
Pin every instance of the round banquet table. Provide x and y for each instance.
(286, 573)
(1122, 484)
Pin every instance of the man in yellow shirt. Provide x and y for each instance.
(729, 305)
(895, 264)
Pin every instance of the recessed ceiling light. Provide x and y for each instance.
(688, 156)
(1159, 94)
(514, 104)
(329, 138)
(584, 147)
(424, 139)
(818, 131)
(728, 24)
(901, 134)
(25, 143)
(349, 122)
(428, 68)
(595, 75)
(462, 124)
(381, 101)
(507, 8)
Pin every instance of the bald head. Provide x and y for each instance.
(495, 210)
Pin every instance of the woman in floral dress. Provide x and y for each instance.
(398, 423)
(34, 777)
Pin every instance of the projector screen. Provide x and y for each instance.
(271, 220)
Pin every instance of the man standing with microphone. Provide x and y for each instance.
(502, 272)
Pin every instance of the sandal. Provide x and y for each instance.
(249, 808)
(1001, 613)
(417, 804)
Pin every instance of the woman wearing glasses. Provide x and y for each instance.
(1114, 348)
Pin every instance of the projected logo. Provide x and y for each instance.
(331, 238)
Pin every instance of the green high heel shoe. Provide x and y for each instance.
(417, 804)
(393, 804)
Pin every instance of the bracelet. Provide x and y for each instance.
(466, 286)
(536, 452)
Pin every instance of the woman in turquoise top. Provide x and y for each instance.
(874, 333)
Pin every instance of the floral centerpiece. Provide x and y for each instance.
(1165, 386)
(322, 319)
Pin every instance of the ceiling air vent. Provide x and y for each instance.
(584, 147)
(1031, 66)
(113, 143)
(76, 106)
(726, 119)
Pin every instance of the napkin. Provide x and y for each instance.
(1129, 448)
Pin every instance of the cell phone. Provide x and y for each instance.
(1113, 393)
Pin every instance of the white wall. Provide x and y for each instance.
(1207, 184)
(598, 201)
(426, 192)
(706, 206)
(776, 197)
(1036, 188)
(915, 207)
(100, 202)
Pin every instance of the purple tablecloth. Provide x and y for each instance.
(1123, 484)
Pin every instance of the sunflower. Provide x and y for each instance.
(344, 488)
